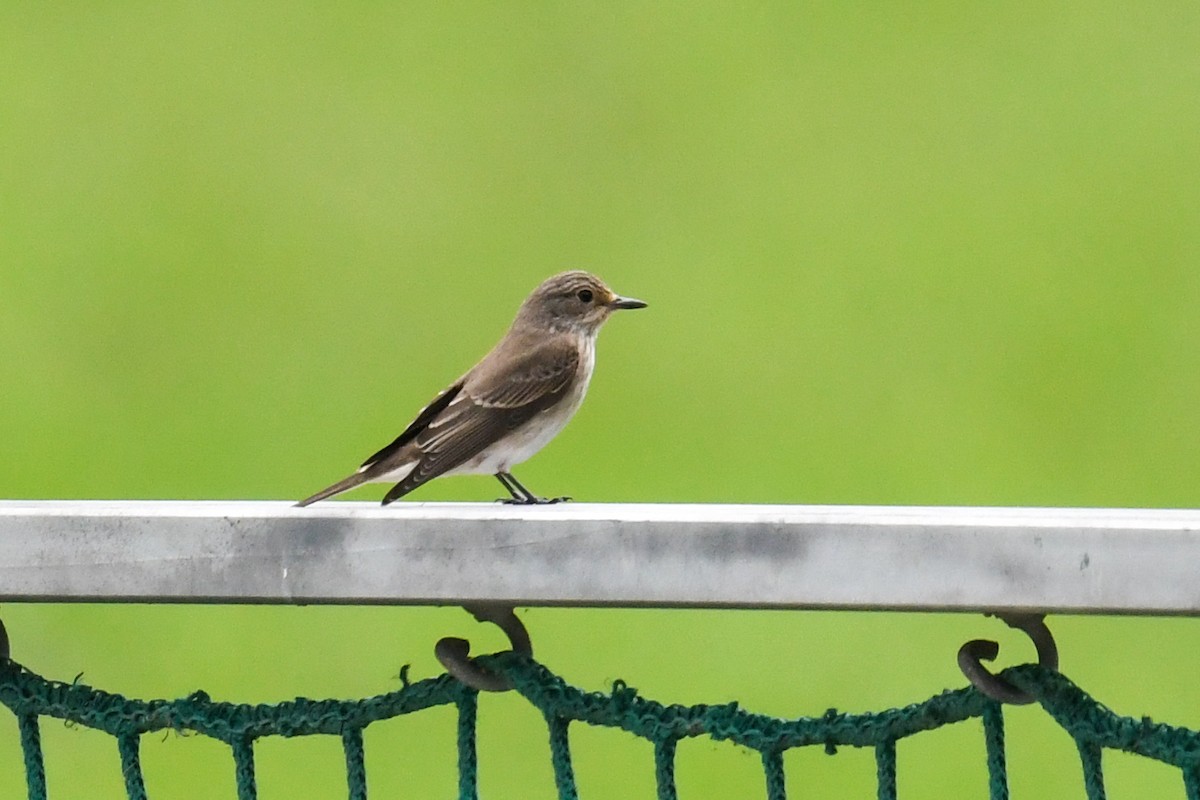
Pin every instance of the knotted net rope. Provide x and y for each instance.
(1093, 727)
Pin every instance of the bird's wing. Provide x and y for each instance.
(523, 371)
(427, 415)
(516, 382)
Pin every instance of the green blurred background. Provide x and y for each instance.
(933, 254)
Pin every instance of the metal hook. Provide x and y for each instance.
(973, 652)
(455, 653)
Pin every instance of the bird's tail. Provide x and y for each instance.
(345, 484)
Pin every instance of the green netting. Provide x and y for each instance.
(1093, 726)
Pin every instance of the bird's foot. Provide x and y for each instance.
(532, 501)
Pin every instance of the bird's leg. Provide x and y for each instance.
(517, 497)
(522, 496)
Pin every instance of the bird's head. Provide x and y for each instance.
(576, 301)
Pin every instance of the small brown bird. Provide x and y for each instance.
(509, 405)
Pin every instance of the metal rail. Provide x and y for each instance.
(715, 556)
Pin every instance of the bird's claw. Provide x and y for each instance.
(533, 501)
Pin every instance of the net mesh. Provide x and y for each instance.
(1093, 726)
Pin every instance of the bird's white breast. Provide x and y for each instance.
(520, 445)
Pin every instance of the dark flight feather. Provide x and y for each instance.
(427, 415)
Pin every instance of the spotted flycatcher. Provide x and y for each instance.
(510, 404)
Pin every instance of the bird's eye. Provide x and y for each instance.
(585, 295)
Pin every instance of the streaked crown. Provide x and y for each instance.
(575, 300)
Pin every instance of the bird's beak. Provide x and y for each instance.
(625, 302)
